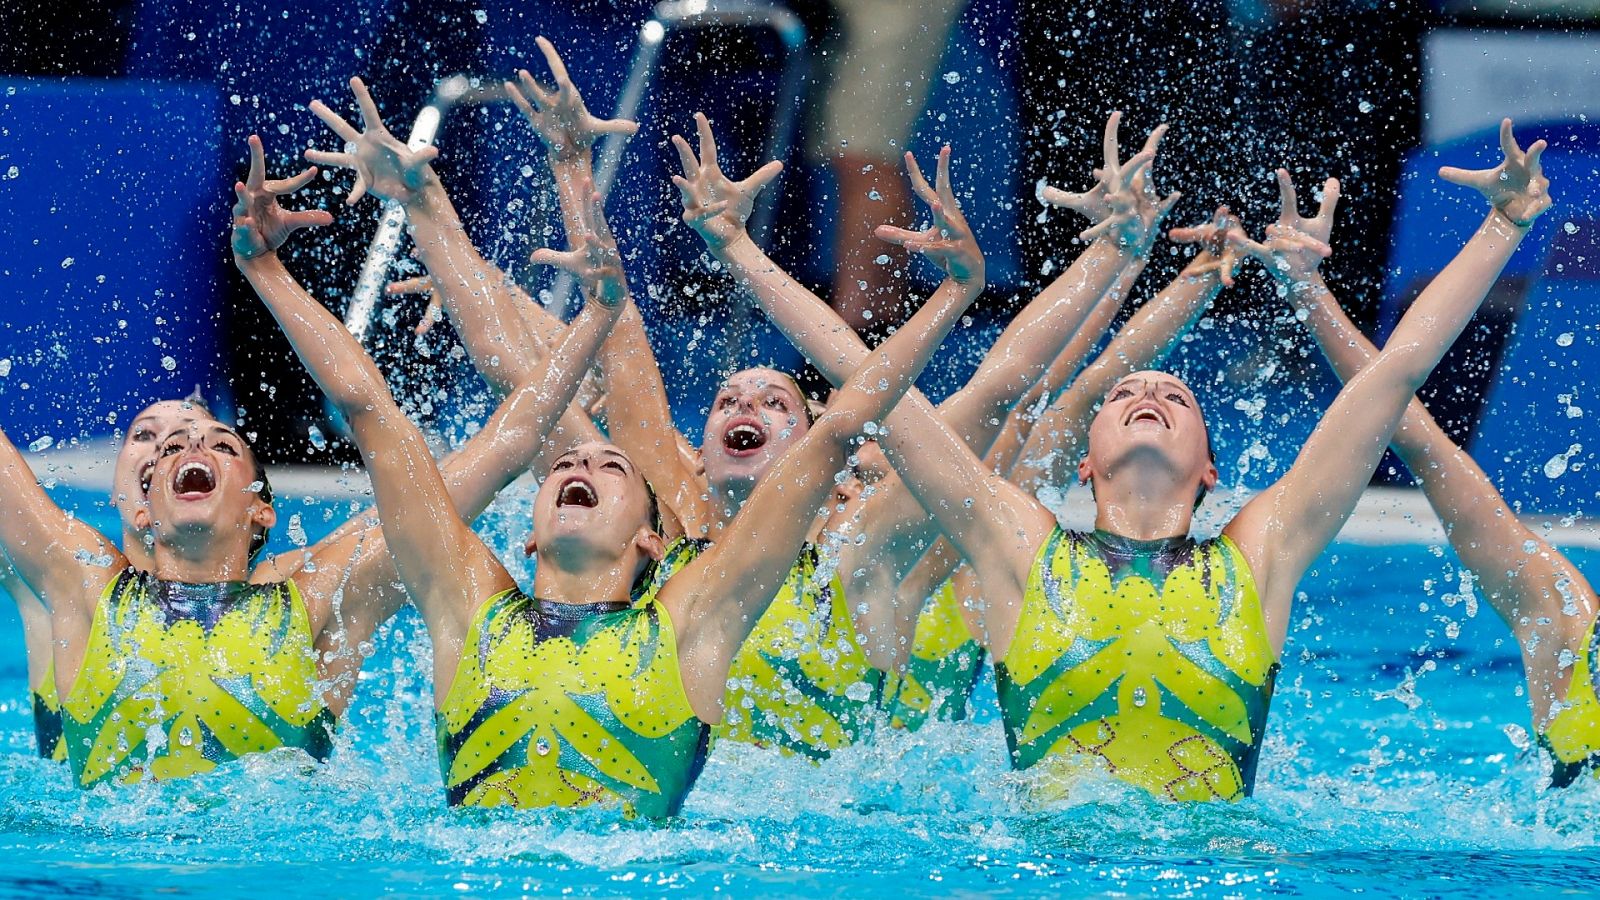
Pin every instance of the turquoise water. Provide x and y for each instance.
(1396, 764)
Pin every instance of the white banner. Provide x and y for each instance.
(1472, 78)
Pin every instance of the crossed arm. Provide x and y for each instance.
(717, 599)
(1282, 530)
(1534, 587)
(445, 567)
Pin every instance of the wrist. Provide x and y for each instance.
(1500, 217)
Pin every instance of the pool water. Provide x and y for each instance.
(1397, 763)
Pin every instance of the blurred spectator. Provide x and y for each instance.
(889, 50)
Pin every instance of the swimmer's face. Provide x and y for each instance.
(756, 416)
(141, 450)
(206, 478)
(1150, 416)
(596, 496)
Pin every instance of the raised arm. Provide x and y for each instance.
(1534, 587)
(443, 565)
(505, 333)
(64, 561)
(638, 414)
(1285, 527)
(718, 598)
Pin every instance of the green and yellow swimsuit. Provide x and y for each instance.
(943, 668)
(800, 681)
(178, 678)
(1150, 655)
(1572, 736)
(569, 705)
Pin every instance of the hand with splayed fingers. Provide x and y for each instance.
(383, 164)
(1222, 245)
(714, 205)
(948, 241)
(1289, 254)
(593, 257)
(560, 117)
(260, 225)
(1114, 200)
(1318, 227)
(1517, 187)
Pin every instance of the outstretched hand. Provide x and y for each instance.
(948, 242)
(1222, 245)
(560, 117)
(1290, 255)
(1517, 187)
(593, 258)
(714, 205)
(1320, 226)
(382, 163)
(260, 225)
(1114, 200)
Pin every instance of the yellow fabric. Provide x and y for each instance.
(1572, 736)
(167, 696)
(800, 681)
(938, 679)
(598, 717)
(1151, 656)
(47, 717)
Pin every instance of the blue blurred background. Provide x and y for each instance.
(122, 127)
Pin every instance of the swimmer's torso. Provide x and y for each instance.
(1572, 736)
(177, 678)
(943, 667)
(1151, 655)
(800, 681)
(558, 705)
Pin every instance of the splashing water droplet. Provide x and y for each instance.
(1140, 698)
(952, 78)
(1569, 227)
(882, 260)
(41, 444)
(1365, 106)
(542, 746)
(318, 440)
(481, 15)
(1564, 340)
(169, 363)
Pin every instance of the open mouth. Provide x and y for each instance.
(744, 438)
(1147, 414)
(578, 492)
(194, 479)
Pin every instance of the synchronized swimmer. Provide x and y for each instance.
(810, 572)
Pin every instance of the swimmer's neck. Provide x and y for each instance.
(726, 501)
(579, 575)
(1144, 509)
(135, 548)
(200, 555)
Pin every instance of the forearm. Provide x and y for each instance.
(1020, 419)
(1147, 338)
(1032, 342)
(505, 345)
(1485, 532)
(1444, 307)
(515, 436)
(827, 341)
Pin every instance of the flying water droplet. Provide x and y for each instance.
(41, 444)
(1564, 339)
